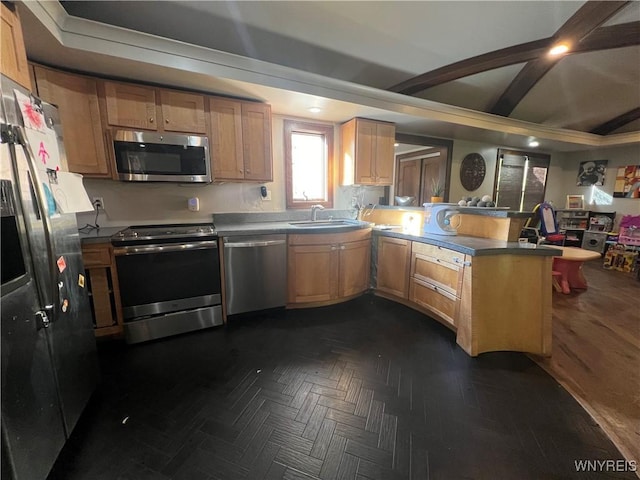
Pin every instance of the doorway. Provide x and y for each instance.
(421, 161)
(418, 172)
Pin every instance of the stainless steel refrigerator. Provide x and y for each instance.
(49, 360)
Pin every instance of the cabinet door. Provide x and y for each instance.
(13, 55)
(393, 266)
(226, 139)
(103, 287)
(77, 100)
(256, 138)
(182, 112)
(130, 106)
(312, 273)
(384, 153)
(366, 132)
(354, 267)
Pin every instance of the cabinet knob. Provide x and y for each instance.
(247, 171)
(240, 170)
(166, 120)
(342, 247)
(150, 119)
(333, 247)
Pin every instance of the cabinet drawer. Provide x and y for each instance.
(443, 254)
(96, 256)
(434, 298)
(447, 276)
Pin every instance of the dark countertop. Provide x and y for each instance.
(502, 212)
(266, 228)
(494, 212)
(460, 243)
(99, 235)
(472, 245)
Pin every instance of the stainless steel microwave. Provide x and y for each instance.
(161, 157)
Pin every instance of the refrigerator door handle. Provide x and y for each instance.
(43, 318)
(46, 297)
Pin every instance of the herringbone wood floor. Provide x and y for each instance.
(368, 389)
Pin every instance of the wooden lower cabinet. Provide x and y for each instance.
(429, 296)
(493, 302)
(327, 268)
(394, 256)
(436, 279)
(102, 285)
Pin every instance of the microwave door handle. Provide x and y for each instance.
(47, 298)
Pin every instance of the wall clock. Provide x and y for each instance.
(472, 171)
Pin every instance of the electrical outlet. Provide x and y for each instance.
(98, 203)
(267, 197)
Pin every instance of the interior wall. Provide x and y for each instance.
(564, 174)
(561, 179)
(461, 149)
(129, 203)
(146, 203)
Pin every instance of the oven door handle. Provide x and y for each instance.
(166, 248)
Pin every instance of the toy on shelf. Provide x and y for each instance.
(629, 230)
(619, 258)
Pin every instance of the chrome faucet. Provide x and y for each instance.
(314, 211)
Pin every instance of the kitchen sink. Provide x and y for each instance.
(323, 223)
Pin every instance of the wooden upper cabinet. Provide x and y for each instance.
(77, 99)
(240, 140)
(182, 112)
(226, 139)
(135, 106)
(130, 106)
(13, 55)
(367, 153)
(256, 139)
(385, 153)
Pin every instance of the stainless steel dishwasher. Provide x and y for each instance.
(255, 269)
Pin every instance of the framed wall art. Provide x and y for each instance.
(592, 173)
(627, 182)
(575, 201)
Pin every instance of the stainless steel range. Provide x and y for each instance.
(169, 279)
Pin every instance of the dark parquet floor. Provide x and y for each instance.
(368, 389)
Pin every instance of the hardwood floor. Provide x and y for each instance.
(596, 352)
(368, 389)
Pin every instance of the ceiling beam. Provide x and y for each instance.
(615, 123)
(583, 22)
(602, 38)
(614, 36)
(471, 66)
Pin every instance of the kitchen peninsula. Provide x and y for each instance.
(493, 292)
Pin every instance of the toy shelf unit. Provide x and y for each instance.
(600, 224)
(601, 221)
(573, 223)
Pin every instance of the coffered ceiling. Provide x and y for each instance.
(463, 70)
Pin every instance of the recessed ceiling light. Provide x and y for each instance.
(315, 109)
(534, 143)
(559, 49)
